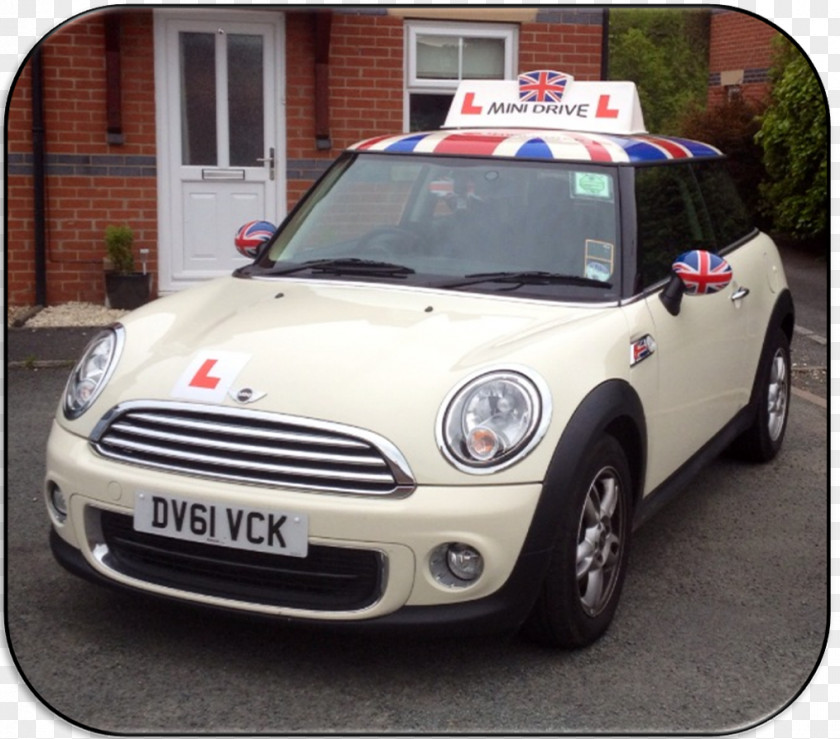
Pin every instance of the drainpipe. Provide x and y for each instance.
(605, 44)
(113, 90)
(39, 179)
(323, 24)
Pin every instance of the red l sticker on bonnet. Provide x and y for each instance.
(203, 379)
(209, 375)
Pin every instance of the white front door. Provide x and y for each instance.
(221, 157)
(704, 378)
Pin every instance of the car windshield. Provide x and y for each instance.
(488, 225)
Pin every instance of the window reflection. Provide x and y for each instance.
(245, 99)
(197, 53)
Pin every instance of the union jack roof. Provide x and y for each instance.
(541, 144)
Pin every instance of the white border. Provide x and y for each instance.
(812, 28)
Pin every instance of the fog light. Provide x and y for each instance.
(58, 503)
(464, 562)
(456, 565)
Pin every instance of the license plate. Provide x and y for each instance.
(222, 524)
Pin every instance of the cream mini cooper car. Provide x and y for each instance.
(447, 389)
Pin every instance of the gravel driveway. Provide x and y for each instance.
(68, 314)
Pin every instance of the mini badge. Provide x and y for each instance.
(246, 395)
(641, 349)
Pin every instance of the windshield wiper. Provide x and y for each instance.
(348, 266)
(531, 277)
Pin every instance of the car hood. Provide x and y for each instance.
(378, 357)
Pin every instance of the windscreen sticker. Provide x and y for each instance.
(594, 185)
(209, 376)
(599, 260)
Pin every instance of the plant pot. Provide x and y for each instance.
(127, 291)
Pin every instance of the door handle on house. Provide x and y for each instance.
(270, 160)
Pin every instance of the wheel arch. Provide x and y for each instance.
(612, 408)
(784, 313)
(753, 444)
(782, 316)
(627, 432)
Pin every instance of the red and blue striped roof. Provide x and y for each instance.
(541, 144)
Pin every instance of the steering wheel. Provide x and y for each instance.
(388, 240)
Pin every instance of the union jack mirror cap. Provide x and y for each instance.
(250, 237)
(702, 272)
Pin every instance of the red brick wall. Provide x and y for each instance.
(82, 197)
(20, 277)
(574, 49)
(300, 85)
(365, 78)
(740, 41)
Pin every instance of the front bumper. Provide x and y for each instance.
(401, 532)
(503, 611)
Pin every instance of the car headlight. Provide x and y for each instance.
(92, 371)
(493, 420)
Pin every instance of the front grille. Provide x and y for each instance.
(327, 579)
(252, 447)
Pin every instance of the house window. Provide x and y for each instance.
(440, 55)
(733, 93)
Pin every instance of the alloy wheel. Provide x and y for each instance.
(599, 541)
(777, 395)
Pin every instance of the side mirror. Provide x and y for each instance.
(250, 237)
(695, 273)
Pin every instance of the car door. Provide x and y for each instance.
(703, 377)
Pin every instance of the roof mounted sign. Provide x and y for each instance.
(547, 99)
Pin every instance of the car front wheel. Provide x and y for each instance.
(589, 560)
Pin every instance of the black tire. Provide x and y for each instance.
(762, 441)
(584, 580)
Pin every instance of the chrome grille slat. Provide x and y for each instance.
(272, 435)
(252, 447)
(206, 459)
(130, 430)
(254, 478)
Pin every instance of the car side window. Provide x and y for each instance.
(730, 218)
(671, 219)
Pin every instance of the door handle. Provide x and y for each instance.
(740, 294)
(270, 160)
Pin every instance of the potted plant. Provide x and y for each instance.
(125, 288)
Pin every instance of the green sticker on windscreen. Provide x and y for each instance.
(591, 185)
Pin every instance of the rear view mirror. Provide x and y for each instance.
(250, 237)
(695, 273)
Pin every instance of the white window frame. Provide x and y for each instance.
(507, 31)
